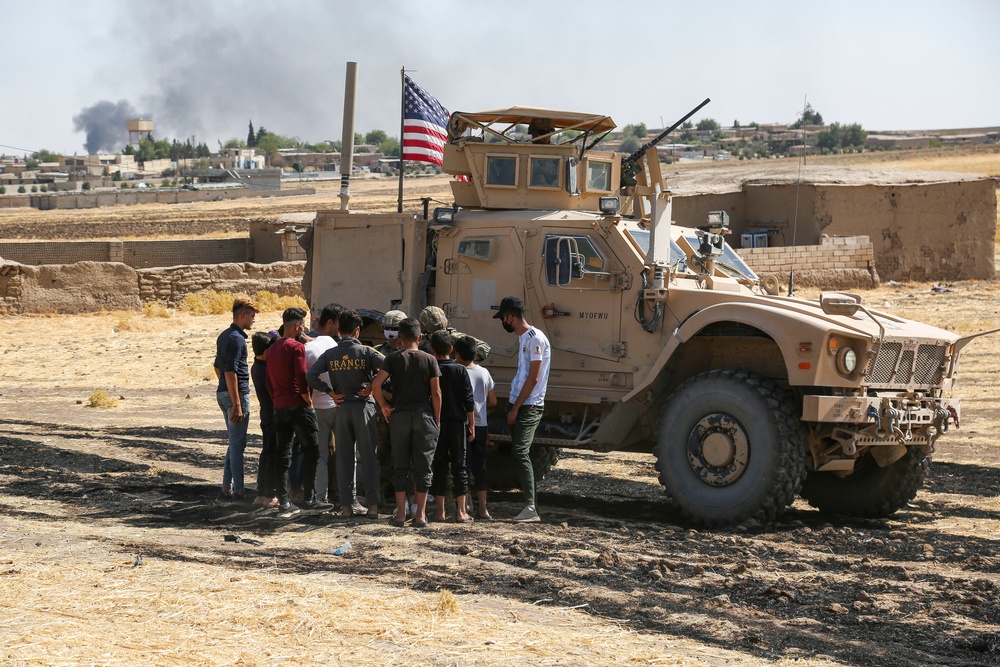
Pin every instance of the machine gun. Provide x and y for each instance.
(632, 165)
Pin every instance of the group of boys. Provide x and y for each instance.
(431, 412)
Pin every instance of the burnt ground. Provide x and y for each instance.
(917, 589)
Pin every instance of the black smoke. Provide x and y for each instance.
(105, 125)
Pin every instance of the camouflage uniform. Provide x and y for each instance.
(433, 319)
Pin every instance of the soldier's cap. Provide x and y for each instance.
(511, 303)
(392, 319)
(432, 319)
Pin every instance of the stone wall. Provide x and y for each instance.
(85, 287)
(171, 284)
(833, 252)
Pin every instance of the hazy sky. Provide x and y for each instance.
(204, 69)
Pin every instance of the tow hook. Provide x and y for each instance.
(954, 414)
(941, 417)
(890, 416)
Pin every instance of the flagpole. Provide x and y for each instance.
(402, 115)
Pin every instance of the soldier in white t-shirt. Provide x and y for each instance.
(527, 394)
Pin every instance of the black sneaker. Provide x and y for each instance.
(224, 498)
(287, 510)
(313, 504)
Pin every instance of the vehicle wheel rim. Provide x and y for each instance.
(718, 449)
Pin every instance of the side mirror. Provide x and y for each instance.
(838, 303)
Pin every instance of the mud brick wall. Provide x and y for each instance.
(927, 230)
(85, 287)
(137, 254)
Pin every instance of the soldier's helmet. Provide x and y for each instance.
(432, 319)
(392, 319)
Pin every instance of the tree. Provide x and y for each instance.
(251, 137)
(86, 185)
(637, 130)
(389, 147)
(34, 189)
(809, 116)
(708, 124)
(630, 144)
(31, 163)
(855, 136)
(736, 124)
(376, 137)
(21, 189)
(358, 138)
(261, 133)
(45, 156)
(3, 190)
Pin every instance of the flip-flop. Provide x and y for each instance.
(488, 517)
(372, 516)
(468, 520)
(418, 524)
(398, 524)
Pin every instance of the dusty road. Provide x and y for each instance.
(611, 576)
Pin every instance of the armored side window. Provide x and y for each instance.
(598, 176)
(484, 249)
(569, 258)
(501, 170)
(544, 172)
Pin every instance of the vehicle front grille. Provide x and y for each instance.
(896, 366)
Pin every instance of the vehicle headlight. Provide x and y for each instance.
(847, 360)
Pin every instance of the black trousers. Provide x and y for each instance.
(288, 422)
(450, 453)
(477, 459)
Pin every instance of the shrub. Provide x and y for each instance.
(156, 309)
(86, 185)
(3, 190)
(21, 190)
(34, 189)
(44, 189)
(100, 399)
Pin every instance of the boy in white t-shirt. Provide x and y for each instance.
(527, 394)
(485, 398)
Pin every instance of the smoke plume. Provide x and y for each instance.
(104, 124)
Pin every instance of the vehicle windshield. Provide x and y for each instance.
(730, 262)
(641, 237)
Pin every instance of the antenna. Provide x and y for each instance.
(798, 186)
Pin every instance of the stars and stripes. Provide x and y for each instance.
(425, 125)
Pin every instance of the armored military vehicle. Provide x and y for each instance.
(664, 340)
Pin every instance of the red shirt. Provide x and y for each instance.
(286, 373)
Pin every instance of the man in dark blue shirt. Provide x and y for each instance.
(233, 394)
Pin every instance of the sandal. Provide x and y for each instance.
(418, 524)
(398, 523)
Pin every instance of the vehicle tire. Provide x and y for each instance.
(503, 473)
(729, 448)
(870, 492)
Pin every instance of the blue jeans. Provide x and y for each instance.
(232, 471)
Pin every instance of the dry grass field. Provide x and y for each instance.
(111, 552)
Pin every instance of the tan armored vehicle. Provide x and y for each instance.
(664, 340)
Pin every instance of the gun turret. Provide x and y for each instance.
(632, 164)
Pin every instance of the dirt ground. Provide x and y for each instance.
(112, 552)
(84, 491)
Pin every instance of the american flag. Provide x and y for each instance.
(425, 125)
